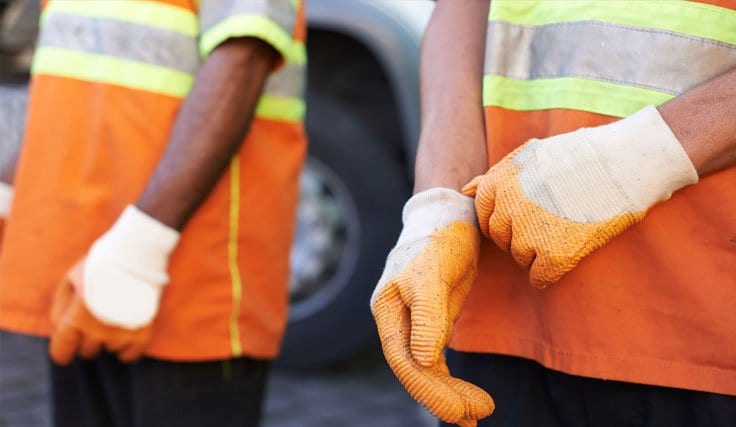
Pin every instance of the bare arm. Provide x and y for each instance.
(704, 120)
(452, 148)
(209, 129)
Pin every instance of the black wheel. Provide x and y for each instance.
(352, 192)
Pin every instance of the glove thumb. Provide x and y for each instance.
(471, 188)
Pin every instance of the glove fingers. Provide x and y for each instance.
(64, 344)
(521, 250)
(467, 423)
(470, 189)
(423, 384)
(458, 296)
(387, 311)
(545, 271)
(132, 352)
(485, 200)
(478, 403)
(89, 347)
(430, 326)
(116, 342)
(63, 296)
(499, 228)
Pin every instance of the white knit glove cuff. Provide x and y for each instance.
(6, 196)
(595, 174)
(645, 157)
(433, 209)
(423, 214)
(125, 269)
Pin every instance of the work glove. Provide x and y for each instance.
(6, 196)
(419, 297)
(109, 299)
(553, 201)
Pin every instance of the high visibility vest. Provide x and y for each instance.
(656, 304)
(108, 79)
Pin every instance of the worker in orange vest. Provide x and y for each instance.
(154, 206)
(611, 135)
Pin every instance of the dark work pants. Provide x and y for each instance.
(529, 395)
(151, 393)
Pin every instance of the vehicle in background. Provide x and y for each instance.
(363, 124)
(18, 29)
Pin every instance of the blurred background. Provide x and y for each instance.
(363, 121)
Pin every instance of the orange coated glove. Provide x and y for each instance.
(553, 201)
(427, 277)
(76, 331)
(109, 299)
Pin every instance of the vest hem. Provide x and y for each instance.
(627, 368)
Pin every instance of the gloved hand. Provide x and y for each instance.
(419, 297)
(6, 196)
(553, 201)
(109, 299)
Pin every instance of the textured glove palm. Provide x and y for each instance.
(553, 201)
(419, 297)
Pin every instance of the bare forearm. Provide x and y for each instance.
(452, 141)
(704, 121)
(209, 129)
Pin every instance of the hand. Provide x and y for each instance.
(109, 300)
(553, 201)
(419, 297)
(76, 331)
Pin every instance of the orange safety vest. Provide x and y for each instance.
(107, 82)
(657, 305)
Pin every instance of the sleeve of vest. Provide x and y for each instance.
(272, 21)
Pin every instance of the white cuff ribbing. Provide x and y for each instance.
(6, 197)
(126, 270)
(645, 157)
(140, 240)
(594, 174)
(433, 209)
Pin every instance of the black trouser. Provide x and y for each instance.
(152, 393)
(529, 395)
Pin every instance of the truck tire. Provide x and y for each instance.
(367, 185)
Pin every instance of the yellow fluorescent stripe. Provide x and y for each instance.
(232, 253)
(278, 108)
(150, 13)
(696, 19)
(111, 70)
(254, 26)
(569, 92)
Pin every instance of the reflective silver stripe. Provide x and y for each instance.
(212, 12)
(287, 82)
(126, 40)
(647, 58)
